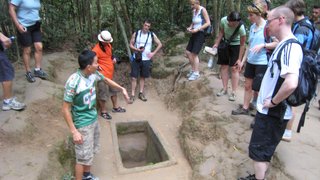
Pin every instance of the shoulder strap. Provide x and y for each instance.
(234, 32)
(135, 38)
(281, 48)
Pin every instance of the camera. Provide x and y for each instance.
(141, 47)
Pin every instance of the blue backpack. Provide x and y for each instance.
(315, 32)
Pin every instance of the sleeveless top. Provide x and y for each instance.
(197, 19)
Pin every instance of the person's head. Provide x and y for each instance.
(194, 4)
(279, 20)
(255, 12)
(146, 25)
(88, 61)
(265, 3)
(233, 19)
(105, 37)
(316, 11)
(297, 6)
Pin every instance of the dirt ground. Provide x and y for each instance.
(205, 140)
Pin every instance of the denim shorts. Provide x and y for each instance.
(6, 68)
(142, 68)
(90, 145)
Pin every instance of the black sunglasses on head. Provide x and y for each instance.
(254, 6)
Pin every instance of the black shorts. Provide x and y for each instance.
(266, 135)
(196, 42)
(255, 72)
(6, 68)
(142, 68)
(32, 35)
(230, 56)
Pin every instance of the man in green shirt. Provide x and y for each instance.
(79, 111)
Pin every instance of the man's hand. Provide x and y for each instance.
(77, 137)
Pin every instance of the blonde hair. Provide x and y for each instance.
(256, 8)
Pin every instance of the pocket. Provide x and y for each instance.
(278, 111)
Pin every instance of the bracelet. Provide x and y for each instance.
(273, 103)
(265, 45)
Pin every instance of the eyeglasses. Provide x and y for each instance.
(270, 20)
(254, 6)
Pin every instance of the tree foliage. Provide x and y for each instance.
(79, 21)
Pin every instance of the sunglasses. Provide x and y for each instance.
(254, 6)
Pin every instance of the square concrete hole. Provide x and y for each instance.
(138, 147)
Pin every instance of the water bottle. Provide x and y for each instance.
(210, 62)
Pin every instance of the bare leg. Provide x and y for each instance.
(79, 171)
(26, 57)
(191, 59)
(234, 78)
(224, 69)
(38, 54)
(196, 62)
(290, 123)
(247, 93)
(260, 169)
(142, 80)
(114, 100)
(7, 89)
(102, 105)
(133, 86)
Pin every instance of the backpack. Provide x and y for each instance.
(307, 82)
(208, 31)
(135, 39)
(315, 43)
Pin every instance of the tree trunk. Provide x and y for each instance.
(98, 15)
(116, 8)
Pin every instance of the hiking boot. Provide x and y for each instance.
(232, 97)
(13, 104)
(141, 96)
(40, 73)
(194, 77)
(131, 100)
(287, 135)
(239, 111)
(90, 177)
(189, 74)
(222, 92)
(30, 77)
(250, 177)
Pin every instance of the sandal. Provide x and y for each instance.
(106, 115)
(118, 109)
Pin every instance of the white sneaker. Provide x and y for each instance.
(287, 135)
(13, 104)
(189, 74)
(194, 77)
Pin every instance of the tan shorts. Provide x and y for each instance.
(90, 145)
(105, 91)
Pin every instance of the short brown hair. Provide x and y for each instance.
(297, 6)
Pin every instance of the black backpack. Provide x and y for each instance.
(308, 80)
(315, 43)
(208, 31)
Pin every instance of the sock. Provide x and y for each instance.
(7, 101)
(85, 174)
(288, 132)
(196, 72)
(37, 69)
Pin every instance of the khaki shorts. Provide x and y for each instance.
(105, 91)
(90, 145)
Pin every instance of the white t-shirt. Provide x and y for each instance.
(141, 41)
(291, 59)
